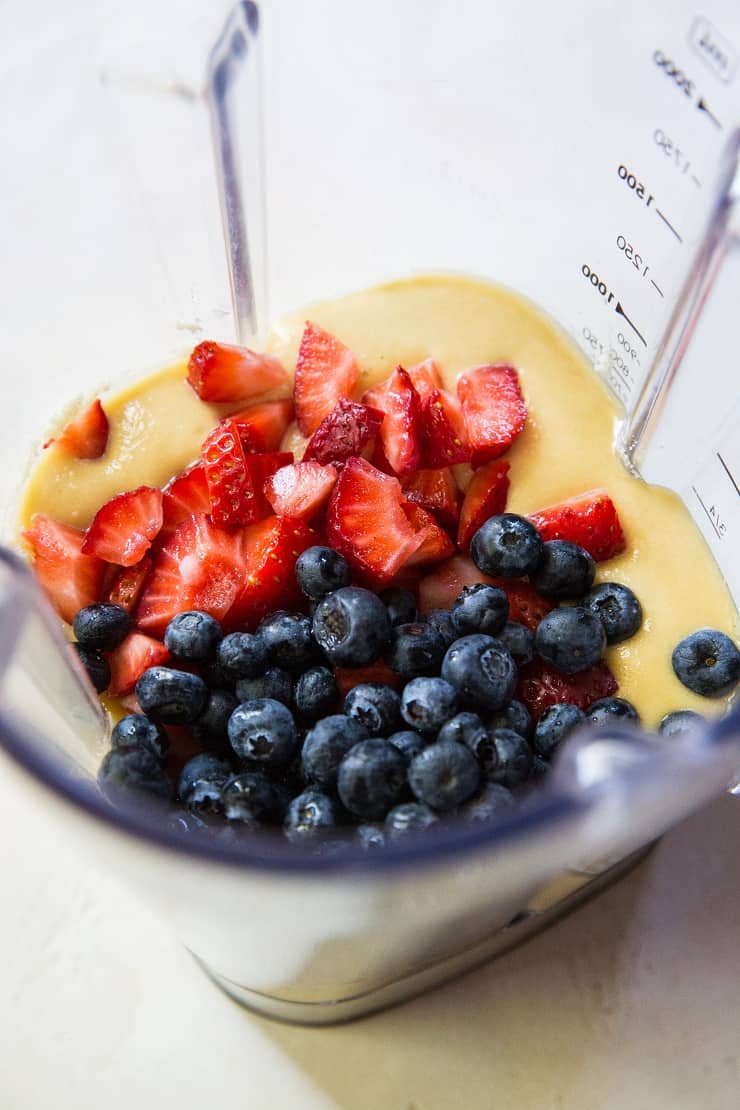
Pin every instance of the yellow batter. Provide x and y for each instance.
(157, 427)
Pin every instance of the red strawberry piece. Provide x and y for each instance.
(400, 432)
(437, 492)
(131, 658)
(123, 529)
(231, 492)
(345, 432)
(261, 468)
(70, 578)
(185, 494)
(201, 566)
(349, 677)
(484, 497)
(525, 604)
(444, 440)
(425, 377)
(125, 589)
(85, 437)
(262, 427)
(221, 372)
(325, 372)
(301, 489)
(269, 552)
(436, 544)
(494, 410)
(590, 520)
(540, 687)
(439, 588)
(367, 524)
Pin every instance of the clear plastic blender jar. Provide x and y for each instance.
(586, 158)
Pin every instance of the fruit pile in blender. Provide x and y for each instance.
(346, 642)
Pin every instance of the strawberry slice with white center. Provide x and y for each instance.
(123, 529)
(261, 468)
(443, 433)
(221, 372)
(125, 589)
(494, 410)
(400, 432)
(262, 427)
(201, 566)
(425, 377)
(85, 437)
(301, 489)
(231, 493)
(484, 497)
(436, 544)
(69, 578)
(345, 432)
(367, 524)
(437, 492)
(269, 552)
(590, 520)
(131, 658)
(185, 494)
(325, 372)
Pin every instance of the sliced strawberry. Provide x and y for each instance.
(231, 492)
(540, 687)
(439, 588)
(425, 377)
(85, 437)
(437, 492)
(484, 497)
(200, 566)
(444, 441)
(400, 432)
(221, 372)
(525, 604)
(349, 677)
(123, 529)
(590, 520)
(366, 522)
(262, 467)
(301, 489)
(494, 410)
(125, 589)
(325, 372)
(436, 544)
(345, 432)
(262, 427)
(185, 494)
(270, 549)
(131, 658)
(69, 578)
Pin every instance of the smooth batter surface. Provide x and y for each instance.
(158, 425)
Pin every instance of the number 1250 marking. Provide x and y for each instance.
(632, 255)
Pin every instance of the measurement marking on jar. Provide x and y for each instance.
(684, 84)
(729, 474)
(657, 286)
(712, 516)
(696, 180)
(703, 107)
(632, 182)
(669, 225)
(620, 312)
(672, 151)
(599, 285)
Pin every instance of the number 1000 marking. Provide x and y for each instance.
(597, 283)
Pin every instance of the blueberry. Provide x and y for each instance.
(441, 620)
(138, 730)
(680, 721)
(193, 635)
(608, 710)
(513, 758)
(444, 775)
(215, 677)
(519, 642)
(263, 732)
(480, 608)
(351, 626)
(371, 837)
(200, 783)
(326, 745)
(707, 662)
(540, 767)
(96, 665)
(320, 570)
(401, 605)
(374, 705)
(515, 715)
(172, 697)
(273, 683)
(483, 747)
(565, 571)
(241, 655)
(416, 649)
(426, 703)
(288, 640)
(493, 800)
(409, 817)
(308, 814)
(617, 608)
(102, 626)
(250, 798)
(212, 727)
(135, 769)
(372, 778)
(506, 546)
(482, 670)
(570, 640)
(408, 743)
(554, 725)
(463, 728)
(316, 693)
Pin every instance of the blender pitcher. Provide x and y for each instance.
(587, 159)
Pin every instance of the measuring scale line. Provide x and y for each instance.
(709, 516)
(728, 472)
(657, 287)
(669, 225)
(620, 312)
(702, 106)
